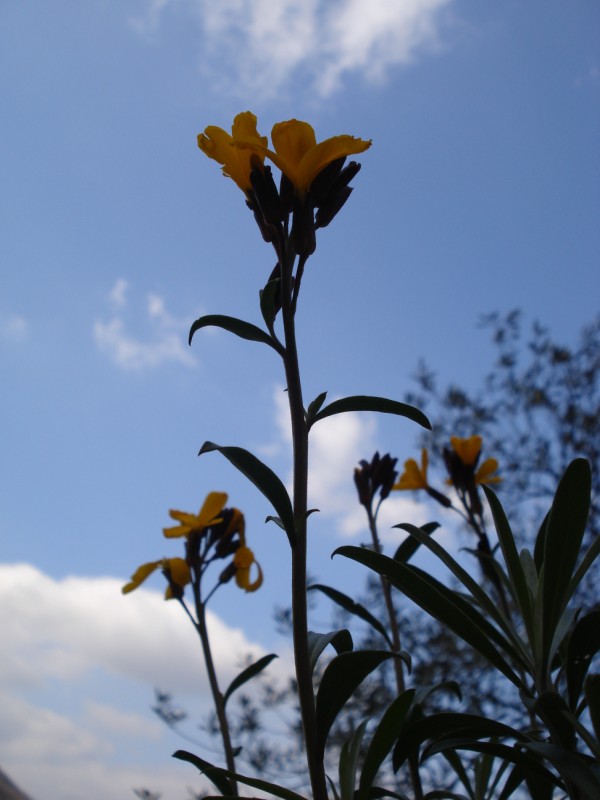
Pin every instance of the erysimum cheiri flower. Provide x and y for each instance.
(461, 462)
(298, 155)
(237, 163)
(414, 477)
(313, 177)
(208, 515)
(175, 570)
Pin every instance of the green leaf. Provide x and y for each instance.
(340, 640)
(483, 599)
(553, 710)
(533, 770)
(245, 330)
(342, 676)
(349, 762)
(368, 403)
(250, 671)
(518, 582)
(410, 545)
(213, 772)
(540, 544)
(263, 478)
(571, 766)
(348, 604)
(334, 791)
(383, 740)
(586, 562)
(441, 603)
(314, 407)
(267, 302)
(445, 725)
(564, 534)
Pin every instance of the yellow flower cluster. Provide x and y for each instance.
(177, 570)
(295, 150)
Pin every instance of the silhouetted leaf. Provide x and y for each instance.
(410, 545)
(340, 640)
(348, 604)
(262, 477)
(245, 330)
(368, 403)
(245, 675)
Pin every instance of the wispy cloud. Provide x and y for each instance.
(165, 340)
(262, 47)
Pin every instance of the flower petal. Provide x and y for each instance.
(467, 449)
(317, 158)
(178, 570)
(485, 473)
(211, 508)
(140, 575)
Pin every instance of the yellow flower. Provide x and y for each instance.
(237, 163)
(243, 561)
(414, 477)
(468, 451)
(297, 154)
(190, 523)
(177, 569)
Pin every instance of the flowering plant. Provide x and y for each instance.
(519, 615)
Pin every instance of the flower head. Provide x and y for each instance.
(237, 163)
(208, 515)
(298, 155)
(378, 475)
(463, 458)
(414, 477)
(176, 571)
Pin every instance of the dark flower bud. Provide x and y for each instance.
(322, 184)
(228, 573)
(377, 476)
(286, 194)
(265, 191)
(303, 228)
(330, 208)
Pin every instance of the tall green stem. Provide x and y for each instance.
(214, 688)
(299, 541)
(389, 604)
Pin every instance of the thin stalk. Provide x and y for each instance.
(214, 688)
(299, 543)
(389, 604)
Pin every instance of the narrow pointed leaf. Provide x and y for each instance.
(348, 604)
(564, 534)
(340, 640)
(341, 677)
(314, 407)
(383, 740)
(410, 545)
(570, 766)
(518, 582)
(246, 674)
(267, 302)
(586, 562)
(211, 772)
(262, 477)
(245, 330)
(349, 762)
(368, 403)
(441, 603)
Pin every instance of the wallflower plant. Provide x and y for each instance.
(521, 616)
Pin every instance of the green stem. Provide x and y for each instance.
(389, 604)
(299, 544)
(214, 688)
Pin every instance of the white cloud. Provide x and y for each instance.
(60, 637)
(165, 343)
(260, 47)
(14, 328)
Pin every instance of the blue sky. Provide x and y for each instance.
(481, 192)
